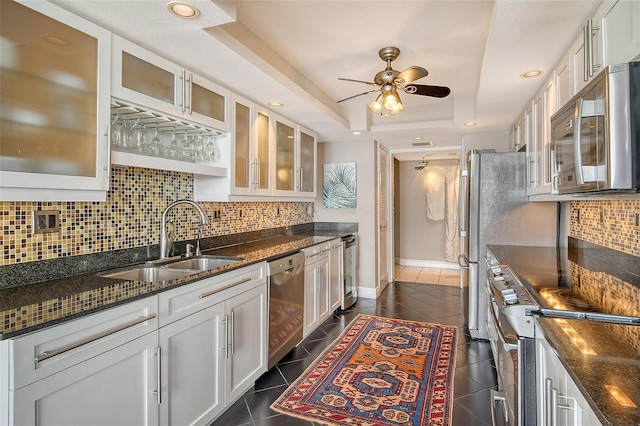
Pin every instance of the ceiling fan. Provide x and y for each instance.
(389, 81)
(424, 164)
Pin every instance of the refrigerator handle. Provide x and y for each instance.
(463, 261)
(463, 200)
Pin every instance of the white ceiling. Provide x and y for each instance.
(294, 51)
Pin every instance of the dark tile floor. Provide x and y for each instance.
(475, 374)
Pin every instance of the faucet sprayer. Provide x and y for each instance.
(166, 240)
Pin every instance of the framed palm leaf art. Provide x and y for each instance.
(339, 189)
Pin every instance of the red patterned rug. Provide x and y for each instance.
(379, 372)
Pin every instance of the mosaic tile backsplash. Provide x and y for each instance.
(131, 216)
(608, 223)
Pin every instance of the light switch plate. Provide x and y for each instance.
(45, 221)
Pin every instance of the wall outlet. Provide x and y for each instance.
(45, 221)
(277, 211)
(239, 213)
(217, 214)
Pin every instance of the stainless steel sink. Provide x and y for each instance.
(203, 263)
(151, 273)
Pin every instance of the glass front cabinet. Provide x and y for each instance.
(149, 80)
(251, 149)
(295, 159)
(54, 89)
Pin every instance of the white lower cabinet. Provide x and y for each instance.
(559, 401)
(212, 357)
(317, 306)
(193, 358)
(179, 358)
(114, 388)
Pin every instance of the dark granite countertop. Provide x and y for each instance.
(36, 305)
(606, 281)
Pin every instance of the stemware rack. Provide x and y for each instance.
(167, 126)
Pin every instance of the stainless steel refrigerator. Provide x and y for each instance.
(494, 209)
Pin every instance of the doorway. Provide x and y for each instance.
(424, 215)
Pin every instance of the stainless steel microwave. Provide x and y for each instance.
(595, 142)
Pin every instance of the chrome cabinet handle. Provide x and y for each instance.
(301, 178)
(158, 393)
(225, 347)
(585, 48)
(591, 30)
(184, 88)
(232, 336)
(548, 385)
(50, 354)
(218, 290)
(189, 81)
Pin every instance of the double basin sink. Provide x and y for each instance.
(150, 272)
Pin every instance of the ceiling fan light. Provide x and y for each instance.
(376, 105)
(397, 108)
(391, 101)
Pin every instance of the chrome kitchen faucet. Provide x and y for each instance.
(166, 239)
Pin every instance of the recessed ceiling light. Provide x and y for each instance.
(417, 138)
(183, 10)
(356, 132)
(531, 74)
(470, 123)
(276, 104)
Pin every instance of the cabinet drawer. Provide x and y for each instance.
(313, 253)
(42, 353)
(183, 301)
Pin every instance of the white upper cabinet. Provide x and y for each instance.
(250, 148)
(151, 81)
(307, 162)
(621, 32)
(53, 150)
(284, 135)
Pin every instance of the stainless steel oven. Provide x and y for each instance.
(511, 333)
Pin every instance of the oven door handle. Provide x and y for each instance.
(508, 343)
(498, 397)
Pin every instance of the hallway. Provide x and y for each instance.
(416, 274)
(436, 303)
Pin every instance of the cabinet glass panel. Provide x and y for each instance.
(263, 151)
(207, 102)
(243, 123)
(148, 79)
(307, 162)
(285, 145)
(48, 91)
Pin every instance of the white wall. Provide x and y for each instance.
(420, 238)
(498, 140)
(363, 153)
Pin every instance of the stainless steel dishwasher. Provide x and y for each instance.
(286, 305)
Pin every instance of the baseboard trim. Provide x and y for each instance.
(367, 293)
(428, 264)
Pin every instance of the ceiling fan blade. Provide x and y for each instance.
(410, 75)
(359, 94)
(370, 83)
(424, 90)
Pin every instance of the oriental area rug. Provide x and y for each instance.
(379, 372)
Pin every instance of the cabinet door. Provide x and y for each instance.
(207, 103)
(622, 32)
(242, 158)
(336, 274)
(117, 387)
(55, 88)
(578, 64)
(563, 81)
(263, 146)
(193, 358)
(247, 341)
(145, 78)
(324, 305)
(311, 316)
(285, 156)
(307, 163)
(529, 142)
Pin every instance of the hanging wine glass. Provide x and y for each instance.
(125, 135)
(174, 150)
(210, 148)
(199, 147)
(155, 146)
(116, 131)
(138, 132)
